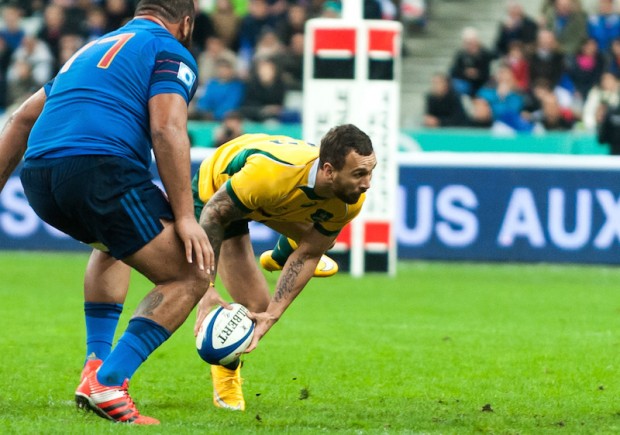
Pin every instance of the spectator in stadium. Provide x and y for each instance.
(130, 221)
(471, 64)
(372, 9)
(547, 61)
(609, 130)
(68, 45)
(269, 46)
(568, 22)
(605, 95)
(505, 100)
(74, 14)
(278, 10)
(545, 8)
(551, 115)
(252, 26)
(230, 128)
(226, 23)
(311, 193)
(292, 63)
(444, 107)
(53, 28)
(118, 13)
(516, 60)
(207, 60)
(586, 67)
(264, 92)
(203, 29)
(515, 27)
(38, 55)
(222, 94)
(331, 9)
(13, 30)
(21, 83)
(96, 23)
(604, 26)
(549, 108)
(613, 64)
(480, 114)
(294, 23)
(32, 7)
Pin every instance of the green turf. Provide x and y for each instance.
(445, 348)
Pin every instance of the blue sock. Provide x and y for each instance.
(101, 321)
(140, 339)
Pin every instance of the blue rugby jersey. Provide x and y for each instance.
(98, 102)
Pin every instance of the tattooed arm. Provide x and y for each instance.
(217, 213)
(296, 273)
(15, 134)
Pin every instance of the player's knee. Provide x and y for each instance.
(194, 283)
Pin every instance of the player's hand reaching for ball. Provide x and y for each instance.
(206, 304)
(263, 322)
(196, 243)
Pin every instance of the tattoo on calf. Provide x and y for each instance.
(150, 303)
(287, 280)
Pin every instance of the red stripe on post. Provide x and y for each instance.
(334, 39)
(377, 232)
(382, 41)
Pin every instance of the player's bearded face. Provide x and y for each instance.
(354, 178)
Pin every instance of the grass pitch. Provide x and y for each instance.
(445, 348)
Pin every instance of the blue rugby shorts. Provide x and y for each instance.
(107, 202)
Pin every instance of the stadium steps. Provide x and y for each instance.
(431, 49)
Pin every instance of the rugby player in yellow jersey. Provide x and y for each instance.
(303, 192)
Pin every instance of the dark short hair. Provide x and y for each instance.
(340, 141)
(172, 11)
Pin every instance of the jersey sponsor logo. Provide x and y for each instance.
(321, 215)
(186, 75)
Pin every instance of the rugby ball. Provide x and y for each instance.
(224, 334)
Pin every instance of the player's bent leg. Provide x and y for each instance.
(179, 286)
(240, 275)
(106, 282)
(106, 279)
(247, 286)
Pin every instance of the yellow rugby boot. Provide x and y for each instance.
(325, 268)
(227, 392)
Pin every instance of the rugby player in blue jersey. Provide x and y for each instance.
(90, 134)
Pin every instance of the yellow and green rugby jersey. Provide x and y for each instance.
(272, 178)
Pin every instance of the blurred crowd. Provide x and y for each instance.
(249, 53)
(555, 71)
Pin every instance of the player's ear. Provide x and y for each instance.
(328, 169)
(187, 27)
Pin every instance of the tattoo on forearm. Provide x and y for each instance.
(150, 303)
(286, 284)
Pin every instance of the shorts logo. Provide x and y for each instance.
(186, 75)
